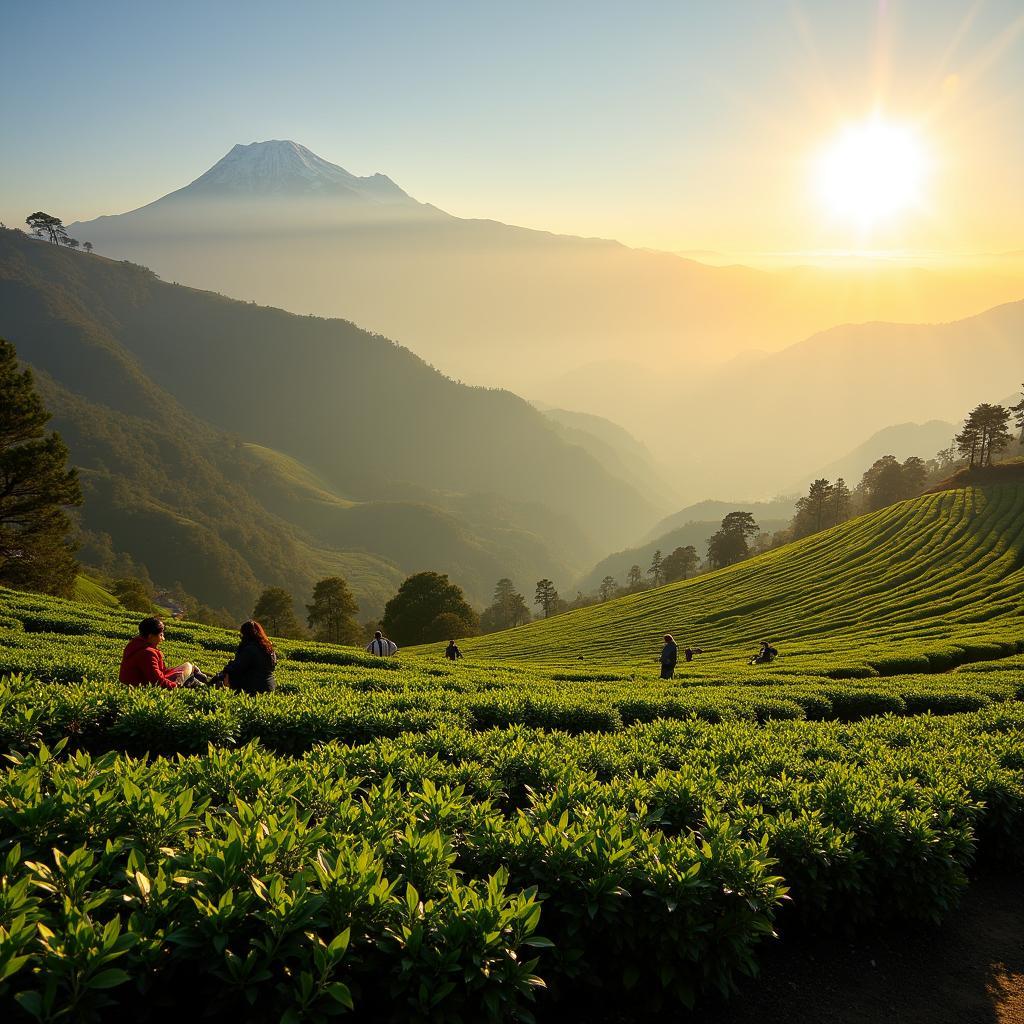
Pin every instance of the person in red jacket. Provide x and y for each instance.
(142, 664)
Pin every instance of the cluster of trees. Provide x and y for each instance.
(986, 432)
(37, 488)
(427, 608)
(45, 225)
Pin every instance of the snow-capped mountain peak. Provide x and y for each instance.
(284, 168)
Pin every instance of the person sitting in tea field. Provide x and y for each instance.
(766, 655)
(251, 670)
(382, 646)
(669, 657)
(452, 652)
(142, 663)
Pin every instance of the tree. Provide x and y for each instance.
(36, 486)
(275, 611)
(507, 609)
(883, 483)
(656, 570)
(134, 595)
(915, 476)
(71, 243)
(546, 596)
(730, 544)
(813, 512)
(607, 588)
(1018, 416)
(680, 564)
(985, 433)
(411, 616)
(332, 613)
(841, 498)
(635, 578)
(45, 225)
(87, 246)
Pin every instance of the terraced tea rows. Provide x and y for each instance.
(932, 574)
(417, 840)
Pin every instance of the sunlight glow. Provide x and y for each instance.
(872, 172)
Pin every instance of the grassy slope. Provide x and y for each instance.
(88, 591)
(920, 576)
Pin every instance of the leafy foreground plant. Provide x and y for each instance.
(408, 878)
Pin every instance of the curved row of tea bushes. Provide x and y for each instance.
(105, 716)
(943, 568)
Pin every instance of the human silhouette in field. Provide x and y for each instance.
(251, 670)
(669, 657)
(452, 652)
(142, 663)
(691, 652)
(766, 655)
(382, 646)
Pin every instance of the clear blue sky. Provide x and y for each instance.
(677, 125)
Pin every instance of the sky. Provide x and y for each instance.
(692, 127)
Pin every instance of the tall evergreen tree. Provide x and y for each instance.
(507, 608)
(607, 588)
(546, 596)
(655, 570)
(841, 499)
(275, 611)
(332, 613)
(635, 578)
(36, 487)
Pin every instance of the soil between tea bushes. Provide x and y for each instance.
(968, 970)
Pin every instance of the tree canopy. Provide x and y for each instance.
(422, 610)
(275, 611)
(36, 486)
(507, 609)
(332, 613)
(730, 543)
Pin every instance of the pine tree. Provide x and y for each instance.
(546, 596)
(655, 570)
(607, 588)
(35, 488)
(332, 613)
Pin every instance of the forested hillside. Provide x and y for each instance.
(163, 394)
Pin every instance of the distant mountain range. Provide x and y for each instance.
(492, 303)
(231, 446)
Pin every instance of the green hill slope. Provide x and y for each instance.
(231, 447)
(938, 575)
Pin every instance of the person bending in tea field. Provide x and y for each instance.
(142, 663)
(452, 652)
(669, 657)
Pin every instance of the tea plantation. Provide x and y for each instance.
(522, 834)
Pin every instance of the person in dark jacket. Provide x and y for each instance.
(142, 663)
(251, 670)
(452, 652)
(669, 657)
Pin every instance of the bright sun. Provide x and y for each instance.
(872, 172)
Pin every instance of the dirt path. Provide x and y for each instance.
(970, 970)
